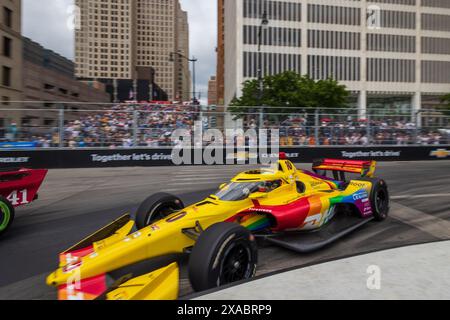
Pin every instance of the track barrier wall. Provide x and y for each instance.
(98, 158)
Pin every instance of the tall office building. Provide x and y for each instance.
(220, 70)
(183, 85)
(104, 41)
(382, 50)
(11, 87)
(212, 91)
(118, 36)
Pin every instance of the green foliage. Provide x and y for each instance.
(446, 108)
(289, 92)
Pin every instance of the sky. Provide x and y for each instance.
(46, 22)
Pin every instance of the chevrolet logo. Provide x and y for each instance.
(440, 153)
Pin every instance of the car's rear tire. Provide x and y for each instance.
(6, 215)
(157, 207)
(224, 253)
(379, 198)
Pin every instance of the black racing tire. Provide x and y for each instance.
(6, 215)
(379, 198)
(157, 207)
(224, 253)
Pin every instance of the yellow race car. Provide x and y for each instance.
(280, 205)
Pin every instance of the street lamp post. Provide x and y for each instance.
(264, 23)
(193, 60)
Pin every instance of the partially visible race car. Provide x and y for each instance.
(17, 187)
(282, 205)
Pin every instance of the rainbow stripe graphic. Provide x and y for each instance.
(255, 222)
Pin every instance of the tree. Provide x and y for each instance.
(289, 92)
(446, 108)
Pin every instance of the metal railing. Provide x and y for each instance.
(150, 125)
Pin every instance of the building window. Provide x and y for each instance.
(391, 70)
(7, 46)
(6, 78)
(7, 17)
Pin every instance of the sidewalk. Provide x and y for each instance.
(414, 272)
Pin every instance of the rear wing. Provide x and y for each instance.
(365, 168)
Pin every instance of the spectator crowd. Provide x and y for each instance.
(353, 132)
(151, 125)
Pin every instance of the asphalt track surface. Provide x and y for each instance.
(75, 203)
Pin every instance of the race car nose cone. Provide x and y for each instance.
(56, 279)
(51, 280)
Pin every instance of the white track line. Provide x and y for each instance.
(410, 196)
(173, 184)
(428, 223)
(193, 180)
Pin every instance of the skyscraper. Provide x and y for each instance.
(183, 86)
(212, 91)
(117, 36)
(220, 69)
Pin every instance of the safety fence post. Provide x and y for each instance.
(316, 127)
(261, 117)
(61, 127)
(135, 127)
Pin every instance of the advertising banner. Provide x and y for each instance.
(93, 158)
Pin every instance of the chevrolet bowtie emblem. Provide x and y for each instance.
(440, 153)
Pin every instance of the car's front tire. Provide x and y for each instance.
(223, 254)
(157, 207)
(6, 215)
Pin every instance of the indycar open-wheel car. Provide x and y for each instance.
(18, 187)
(281, 205)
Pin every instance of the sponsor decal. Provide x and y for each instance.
(371, 154)
(358, 184)
(316, 183)
(312, 221)
(130, 157)
(18, 198)
(440, 153)
(15, 160)
(260, 210)
(360, 195)
(72, 266)
(367, 210)
(136, 235)
(177, 217)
